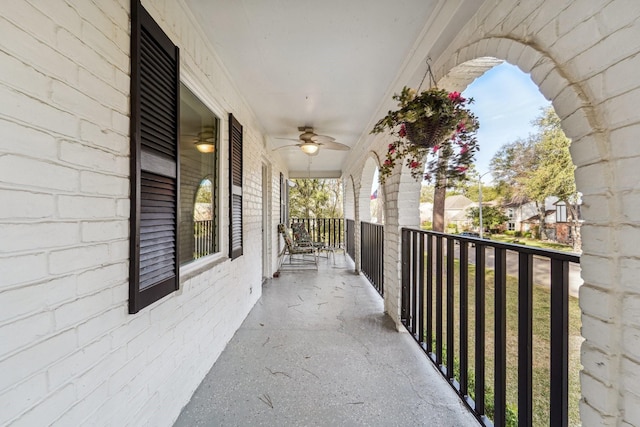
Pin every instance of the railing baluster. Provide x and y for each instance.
(450, 311)
(525, 339)
(429, 293)
(559, 386)
(404, 312)
(480, 329)
(500, 313)
(464, 331)
(420, 316)
(414, 282)
(439, 301)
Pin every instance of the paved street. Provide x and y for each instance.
(541, 268)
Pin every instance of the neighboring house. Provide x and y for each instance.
(523, 216)
(426, 212)
(455, 211)
(560, 228)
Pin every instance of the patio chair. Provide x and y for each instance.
(302, 237)
(299, 255)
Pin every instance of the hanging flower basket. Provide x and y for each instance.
(436, 123)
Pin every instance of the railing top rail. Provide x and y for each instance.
(372, 223)
(547, 253)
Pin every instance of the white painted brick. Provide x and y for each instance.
(92, 13)
(598, 333)
(631, 375)
(599, 364)
(83, 207)
(591, 177)
(618, 14)
(130, 372)
(134, 329)
(26, 205)
(579, 39)
(100, 184)
(30, 20)
(18, 139)
(100, 325)
(36, 113)
(630, 339)
(24, 46)
(62, 14)
(22, 237)
(102, 92)
(624, 142)
(596, 394)
(598, 303)
(22, 397)
(104, 45)
(23, 77)
(120, 122)
(63, 371)
(104, 138)
(621, 77)
(101, 278)
(30, 299)
(78, 258)
(631, 408)
(79, 104)
(103, 231)
(75, 312)
(84, 55)
(24, 331)
(22, 269)
(50, 409)
(19, 170)
(625, 180)
(567, 103)
(615, 109)
(596, 208)
(119, 250)
(597, 270)
(629, 272)
(100, 373)
(588, 412)
(628, 238)
(76, 415)
(95, 159)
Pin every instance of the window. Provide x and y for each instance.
(154, 129)
(284, 200)
(561, 213)
(199, 146)
(511, 226)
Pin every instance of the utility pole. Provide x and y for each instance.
(480, 202)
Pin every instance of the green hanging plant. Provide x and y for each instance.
(435, 126)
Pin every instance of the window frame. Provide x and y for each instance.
(191, 83)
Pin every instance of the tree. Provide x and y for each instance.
(554, 175)
(315, 198)
(492, 216)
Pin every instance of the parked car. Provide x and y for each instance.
(470, 234)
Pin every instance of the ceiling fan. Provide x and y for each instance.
(310, 142)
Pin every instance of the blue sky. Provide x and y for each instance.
(506, 101)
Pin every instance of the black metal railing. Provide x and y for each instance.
(203, 238)
(350, 233)
(453, 310)
(330, 231)
(372, 254)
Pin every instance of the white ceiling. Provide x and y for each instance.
(330, 64)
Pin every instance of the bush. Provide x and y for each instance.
(528, 235)
(509, 233)
(518, 234)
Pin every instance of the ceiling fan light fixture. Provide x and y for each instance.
(205, 143)
(309, 148)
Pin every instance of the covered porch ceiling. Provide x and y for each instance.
(331, 65)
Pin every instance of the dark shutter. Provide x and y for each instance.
(153, 269)
(235, 188)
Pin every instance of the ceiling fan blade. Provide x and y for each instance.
(322, 138)
(332, 145)
(286, 146)
(288, 139)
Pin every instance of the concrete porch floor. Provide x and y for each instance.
(317, 350)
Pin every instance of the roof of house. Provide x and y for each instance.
(457, 202)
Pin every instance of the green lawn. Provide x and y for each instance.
(531, 242)
(541, 345)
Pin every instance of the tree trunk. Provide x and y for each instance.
(575, 227)
(541, 219)
(439, 194)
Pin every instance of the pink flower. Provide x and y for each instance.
(387, 162)
(392, 148)
(456, 97)
(464, 149)
(414, 164)
(460, 127)
(461, 169)
(435, 148)
(403, 131)
(427, 176)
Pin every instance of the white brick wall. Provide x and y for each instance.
(70, 353)
(584, 57)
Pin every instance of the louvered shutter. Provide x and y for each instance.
(235, 188)
(154, 266)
